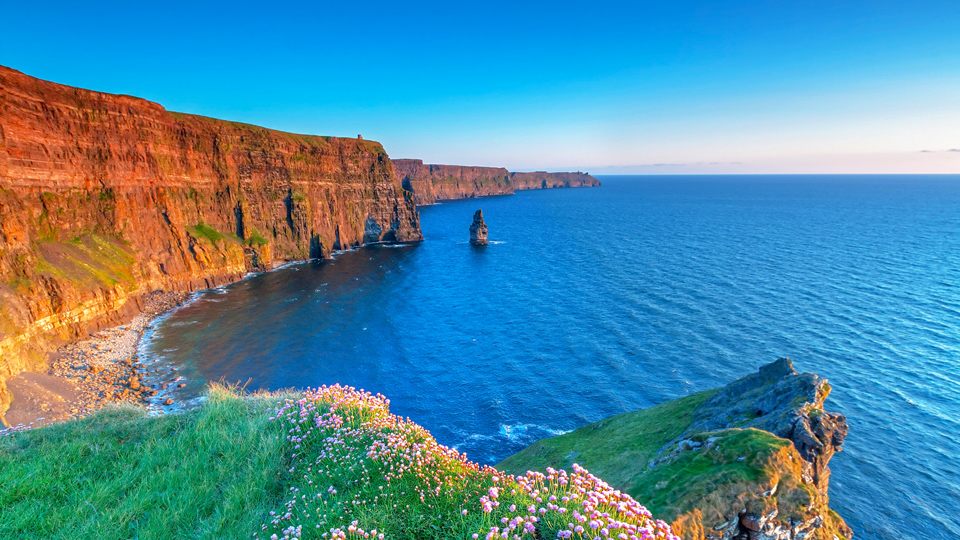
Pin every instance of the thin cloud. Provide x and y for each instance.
(687, 164)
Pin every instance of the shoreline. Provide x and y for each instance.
(106, 367)
(86, 375)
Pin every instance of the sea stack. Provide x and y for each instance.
(478, 230)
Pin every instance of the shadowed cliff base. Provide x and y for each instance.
(744, 462)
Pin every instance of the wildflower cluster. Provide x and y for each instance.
(577, 505)
(357, 471)
(19, 428)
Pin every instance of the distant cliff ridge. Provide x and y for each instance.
(104, 198)
(432, 183)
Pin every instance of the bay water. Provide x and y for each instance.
(593, 302)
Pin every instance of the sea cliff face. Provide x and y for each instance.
(104, 198)
(432, 183)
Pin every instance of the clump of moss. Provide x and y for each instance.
(206, 232)
(255, 239)
(709, 479)
(88, 260)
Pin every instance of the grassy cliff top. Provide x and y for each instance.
(326, 463)
(708, 482)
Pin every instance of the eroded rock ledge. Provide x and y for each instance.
(788, 405)
(745, 462)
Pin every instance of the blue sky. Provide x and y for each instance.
(632, 87)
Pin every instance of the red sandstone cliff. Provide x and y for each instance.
(104, 198)
(431, 183)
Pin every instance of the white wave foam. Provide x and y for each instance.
(516, 431)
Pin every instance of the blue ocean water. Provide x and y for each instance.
(593, 302)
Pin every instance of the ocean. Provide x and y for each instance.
(593, 302)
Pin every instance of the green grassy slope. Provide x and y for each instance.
(329, 463)
(616, 449)
(208, 473)
(712, 476)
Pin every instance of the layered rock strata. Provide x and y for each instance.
(432, 183)
(788, 405)
(104, 198)
(748, 461)
(478, 230)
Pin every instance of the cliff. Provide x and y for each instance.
(104, 198)
(432, 183)
(745, 462)
(545, 180)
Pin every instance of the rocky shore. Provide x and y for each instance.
(88, 374)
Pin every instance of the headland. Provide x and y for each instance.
(106, 198)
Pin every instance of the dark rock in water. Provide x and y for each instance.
(478, 230)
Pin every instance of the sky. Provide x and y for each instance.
(666, 87)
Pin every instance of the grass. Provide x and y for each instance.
(209, 473)
(710, 480)
(329, 463)
(89, 260)
(256, 239)
(206, 232)
(617, 448)
(727, 472)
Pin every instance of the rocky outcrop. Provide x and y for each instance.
(104, 198)
(743, 462)
(432, 183)
(779, 401)
(478, 230)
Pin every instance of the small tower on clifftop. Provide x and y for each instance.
(478, 230)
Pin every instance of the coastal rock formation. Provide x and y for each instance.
(478, 230)
(105, 198)
(789, 405)
(432, 183)
(745, 462)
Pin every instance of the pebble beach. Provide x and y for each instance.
(102, 369)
